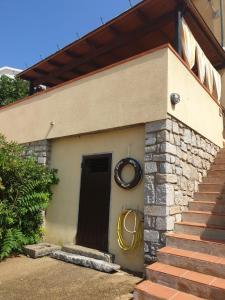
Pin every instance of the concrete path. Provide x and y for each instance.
(23, 278)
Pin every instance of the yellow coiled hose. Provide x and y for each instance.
(137, 232)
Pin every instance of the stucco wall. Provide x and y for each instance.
(134, 92)
(130, 93)
(66, 156)
(206, 11)
(196, 108)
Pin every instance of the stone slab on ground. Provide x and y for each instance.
(40, 250)
(87, 262)
(88, 252)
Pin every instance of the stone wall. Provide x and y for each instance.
(40, 149)
(176, 159)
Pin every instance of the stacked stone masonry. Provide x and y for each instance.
(176, 159)
(40, 149)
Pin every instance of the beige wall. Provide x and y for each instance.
(130, 93)
(205, 9)
(196, 108)
(62, 214)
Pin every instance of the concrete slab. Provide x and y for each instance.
(88, 252)
(51, 279)
(40, 250)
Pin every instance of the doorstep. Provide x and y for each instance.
(88, 252)
(85, 261)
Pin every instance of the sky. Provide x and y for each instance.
(31, 30)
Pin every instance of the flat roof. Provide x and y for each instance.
(147, 25)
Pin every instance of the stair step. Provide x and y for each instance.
(198, 284)
(214, 207)
(88, 252)
(194, 261)
(209, 196)
(148, 290)
(195, 243)
(218, 167)
(220, 155)
(213, 179)
(217, 173)
(204, 217)
(211, 187)
(201, 229)
(220, 159)
(88, 262)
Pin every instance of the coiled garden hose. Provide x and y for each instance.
(137, 232)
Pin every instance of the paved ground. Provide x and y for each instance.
(23, 278)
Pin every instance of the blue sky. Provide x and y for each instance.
(33, 29)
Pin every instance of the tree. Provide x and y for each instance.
(12, 89)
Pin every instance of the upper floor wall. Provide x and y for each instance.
(134, 92)
(210, 11)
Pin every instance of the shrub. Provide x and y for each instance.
(24, 194)
(12, 89)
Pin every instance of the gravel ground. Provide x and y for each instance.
(23, 278)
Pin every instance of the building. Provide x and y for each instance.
(147, 85)
(9, 71)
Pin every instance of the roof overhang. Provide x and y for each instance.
(147, 25)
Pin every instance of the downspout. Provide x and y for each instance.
(222, 21)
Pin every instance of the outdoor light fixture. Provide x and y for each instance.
(174, 98)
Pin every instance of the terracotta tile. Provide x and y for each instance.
(199, 277)
(155, 289)
(156, 267)
(173, 271)
(206, 257)
(219, 283)
(222, 260)
(183, 296)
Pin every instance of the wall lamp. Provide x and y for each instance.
(174, 98)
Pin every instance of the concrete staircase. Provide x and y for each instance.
(192, 265)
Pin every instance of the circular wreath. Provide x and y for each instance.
(118, 173)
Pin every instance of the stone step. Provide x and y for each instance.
(211, 187)
(213, 179)
(148, 290)
(194, 261)
(209, 196)
(198, 284)
(40, 250)
(87, 262)
(195, 243)
(214, 207)
(204, 217)
(201, 229)
(88, 252)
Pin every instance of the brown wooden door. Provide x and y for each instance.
(94, 205)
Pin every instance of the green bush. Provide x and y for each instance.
(24, 194)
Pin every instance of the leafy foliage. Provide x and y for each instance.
(12, 89)
(24, 194)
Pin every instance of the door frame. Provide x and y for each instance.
(109, 155)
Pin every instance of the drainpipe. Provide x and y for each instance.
(222, 21)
